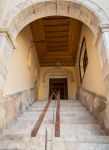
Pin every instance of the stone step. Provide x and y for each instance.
(22, 145)
(34, 110)
(76, 117)
(27, 118)
(27, 130)
(72, 107)
(78, 121)
(18, 130)
(34, 117)
(57, 145)
(24, 135)
(81, 129)
(69, 101)
(38, 109)
(68, 138)
(79, 146)
(31, 113)
(67, 110)
(71, 114)
(84, 139)
(78, 132)
(79, 126)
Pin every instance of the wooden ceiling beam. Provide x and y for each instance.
(57, 42)
(57, 46)
(74, 35)
(56, 39)
(58, 59)
(57, 49)
(57, 34)
(56, 22)
(55, 29)
(38, 30)
(38, 33)
(57, 64)
(58, 54)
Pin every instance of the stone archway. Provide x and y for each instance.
(58, 72)
(27, 11)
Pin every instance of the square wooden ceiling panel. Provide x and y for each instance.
(56, 40)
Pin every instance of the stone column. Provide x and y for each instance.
(6, 47)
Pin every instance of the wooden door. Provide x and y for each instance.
(56, 84)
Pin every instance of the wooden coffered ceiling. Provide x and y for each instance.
(56, 40)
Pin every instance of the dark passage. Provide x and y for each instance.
(59, 84)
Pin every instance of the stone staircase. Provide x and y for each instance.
(78, 129)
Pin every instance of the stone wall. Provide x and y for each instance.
(12, 105)
(97, 106)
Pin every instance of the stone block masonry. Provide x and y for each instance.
(12, 105)
(97, 106)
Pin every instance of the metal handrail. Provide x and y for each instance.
(46, 132)
(41, 117)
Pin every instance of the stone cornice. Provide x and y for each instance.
(102, 29)
(105, 27)
(98, 37)
(6, 32)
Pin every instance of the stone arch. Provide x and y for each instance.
(26, 12)
(59, 72)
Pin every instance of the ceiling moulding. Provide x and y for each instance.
(5, 32)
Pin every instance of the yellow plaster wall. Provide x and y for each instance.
(93, 79)
(23, 64)
(43, 86)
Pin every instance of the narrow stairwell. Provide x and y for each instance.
(78, 129)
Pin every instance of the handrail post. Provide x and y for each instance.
(53, 115)
(46, 139)
(57, 123)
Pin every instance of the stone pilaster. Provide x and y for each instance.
(102, 44)
(103, 50)
(105, 57)
(6, 47)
